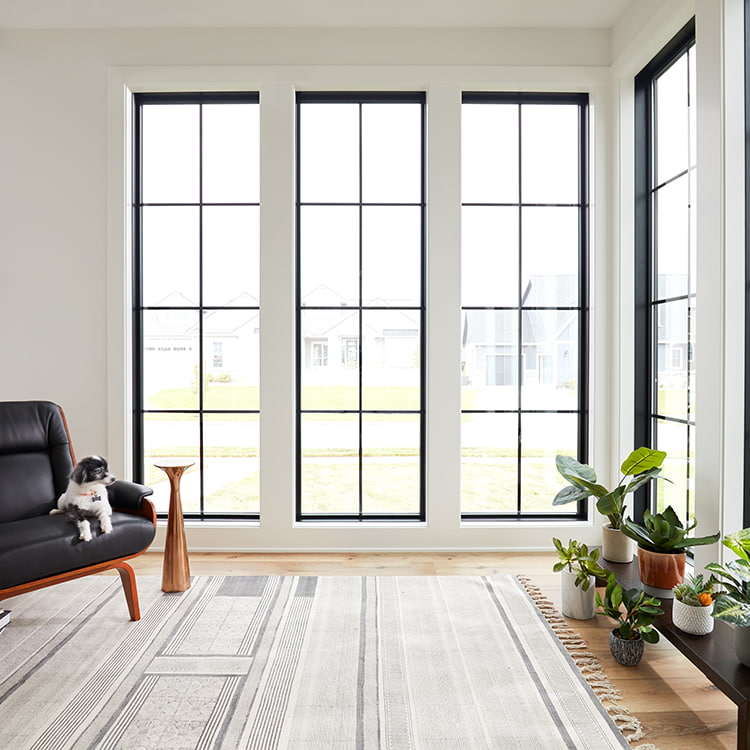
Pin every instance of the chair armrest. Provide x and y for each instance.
(126, 495)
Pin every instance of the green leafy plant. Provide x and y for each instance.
(695, 591)
(578, 559)
(641, 466)
(632, 610)
(664, 532)
(733, 603)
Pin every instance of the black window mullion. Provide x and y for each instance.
(746, 447)
(583, 289)
(519, 343)
(201, 353)
(360, 348)
(137, 292)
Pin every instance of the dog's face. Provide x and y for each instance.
(92, 470)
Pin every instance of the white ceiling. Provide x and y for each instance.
(72, 14)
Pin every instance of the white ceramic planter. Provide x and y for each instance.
(616, 547)
(576, 602)
(693, 620)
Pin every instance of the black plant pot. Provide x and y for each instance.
(626, 652)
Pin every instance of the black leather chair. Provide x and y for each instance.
(37, 549)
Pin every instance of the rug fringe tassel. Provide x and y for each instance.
(589, 666)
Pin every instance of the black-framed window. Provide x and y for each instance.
(360, 292)
(746, 500)
(524, 292)
(665, 279)
(196, 297)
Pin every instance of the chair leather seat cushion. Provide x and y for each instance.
(44, 546)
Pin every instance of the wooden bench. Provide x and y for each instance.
(713, 654)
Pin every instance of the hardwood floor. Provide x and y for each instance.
(678, 708)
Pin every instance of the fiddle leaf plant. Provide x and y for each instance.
(577, 558)
(641, 466)
(632, 610)
(732, 604)
(664, 532)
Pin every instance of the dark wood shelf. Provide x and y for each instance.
(713, 654)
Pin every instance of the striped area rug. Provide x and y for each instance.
(309, 663)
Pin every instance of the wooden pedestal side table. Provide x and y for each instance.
(176, 569)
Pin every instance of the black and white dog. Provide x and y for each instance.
(86, 496)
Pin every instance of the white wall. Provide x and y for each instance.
(63, 244)
(53, 171)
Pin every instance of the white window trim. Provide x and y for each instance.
(277, 85)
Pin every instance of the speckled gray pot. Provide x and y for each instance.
(627, 653)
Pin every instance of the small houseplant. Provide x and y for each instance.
(579, 567)
(662, 543)
(641, 466)
(732, 604)
(634, 612)
(692, 608)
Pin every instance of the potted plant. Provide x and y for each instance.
(634, 613)
(662, 543)
(579, 568)
(641, 466)
(692, 608)
(732, 604)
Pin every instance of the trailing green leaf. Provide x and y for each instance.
(739, 543)
(569, 467)
(730, 609)
(650, 635)
(642, 459)
(570, 494)
(732, 604)
(642, 479)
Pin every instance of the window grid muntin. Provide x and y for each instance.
(139, 308)
(360, 98)
(520, 99)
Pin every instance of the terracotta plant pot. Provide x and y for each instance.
(625, 652)
(616, 547)
(660, 572)
(693, 620)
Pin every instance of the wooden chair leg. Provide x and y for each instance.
(129, 586)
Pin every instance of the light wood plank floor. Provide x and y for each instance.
(678, 708)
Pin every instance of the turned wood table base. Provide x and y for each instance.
(176, 568)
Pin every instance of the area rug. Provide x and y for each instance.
(305, 663)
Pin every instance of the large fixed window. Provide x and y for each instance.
(524, 299)
(746, 503)
(665, 269)
(196, 297)
(360, 326)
